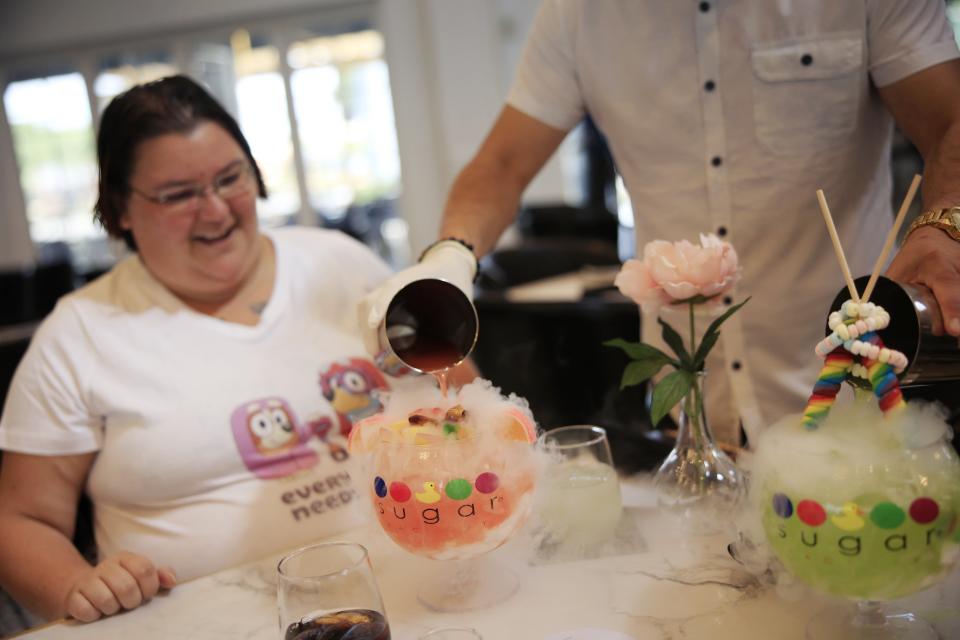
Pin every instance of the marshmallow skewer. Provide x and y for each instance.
(828, 219)
(853, 348)
(907, 201)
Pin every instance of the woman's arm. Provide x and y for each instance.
(39, 566)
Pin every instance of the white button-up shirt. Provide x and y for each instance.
(726, 116)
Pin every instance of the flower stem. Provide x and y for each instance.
(693, 412)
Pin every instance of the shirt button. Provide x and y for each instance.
(806, 60)
(721, 231)
(736, 365)
(716, 161)
(709, 85)
(727, 300)
(704, 7)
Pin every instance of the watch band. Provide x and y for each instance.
(947, 220)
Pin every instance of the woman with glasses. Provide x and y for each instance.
(196, 392)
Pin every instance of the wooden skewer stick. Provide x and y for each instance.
(827, 218)
(891, 237)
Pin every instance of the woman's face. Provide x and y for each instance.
(206, 251)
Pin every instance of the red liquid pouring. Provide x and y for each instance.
(432, 356)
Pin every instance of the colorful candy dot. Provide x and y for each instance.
(399, 491)
(849, 517)
(458, 489)
(810, 512)
(487, 482)
(887, 515)
(924, 510)
(782, 505)
(380, 487)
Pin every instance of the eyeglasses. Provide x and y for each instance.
(236, 181)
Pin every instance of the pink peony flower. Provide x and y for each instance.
(672, 272)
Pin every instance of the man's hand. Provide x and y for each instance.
(124, 581)
(447, 260)
(932, 258)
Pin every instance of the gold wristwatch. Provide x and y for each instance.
(947, 220)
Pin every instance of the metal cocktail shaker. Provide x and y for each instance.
(916, 329)
(430, 325)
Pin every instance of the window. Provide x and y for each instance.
(53, 141)
(118, 74)
(265, 121)
(314, 103)
(342, 102)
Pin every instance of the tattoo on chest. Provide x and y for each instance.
(258, 307)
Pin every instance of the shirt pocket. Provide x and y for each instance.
(806, 94)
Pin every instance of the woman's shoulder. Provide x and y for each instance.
(314, 237)
(109, 293)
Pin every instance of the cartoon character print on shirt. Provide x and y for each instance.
(352, 387)
(271, 442)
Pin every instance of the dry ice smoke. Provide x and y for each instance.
(852, 436)
(486, 406)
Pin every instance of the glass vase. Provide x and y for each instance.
(697, 480)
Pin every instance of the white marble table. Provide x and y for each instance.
(678, 587)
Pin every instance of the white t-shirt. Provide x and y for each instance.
(726, 116)
(217, 442)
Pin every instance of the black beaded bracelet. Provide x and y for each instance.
(460, 241)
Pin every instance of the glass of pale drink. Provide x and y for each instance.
(579, 503)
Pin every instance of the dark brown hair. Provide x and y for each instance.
(175, 104)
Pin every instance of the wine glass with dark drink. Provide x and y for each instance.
(328, 592)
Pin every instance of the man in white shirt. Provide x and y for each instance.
(725, 116)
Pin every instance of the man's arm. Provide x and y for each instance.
(926, 106)
(486, 194)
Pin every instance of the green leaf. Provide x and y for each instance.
(715, 325)
(672, 338)
(668, 393)
(706, 344)
(637, 350)
(711, 335)
(641, 370)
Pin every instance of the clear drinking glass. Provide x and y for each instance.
(328, 591)
(579, 502)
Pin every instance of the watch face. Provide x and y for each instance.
(955, 218)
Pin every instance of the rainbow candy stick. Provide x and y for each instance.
(839, 363)
(883, 379)
(836, 367)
